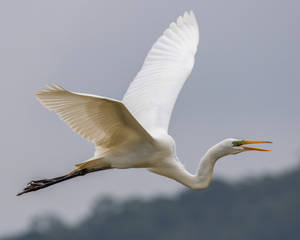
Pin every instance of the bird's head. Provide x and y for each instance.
(234, 146)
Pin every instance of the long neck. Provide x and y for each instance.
(205, 169)
(203, 176)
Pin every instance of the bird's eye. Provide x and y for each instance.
(237, 143)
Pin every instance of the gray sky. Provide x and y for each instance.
(245, 84)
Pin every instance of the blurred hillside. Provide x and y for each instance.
(267, 208)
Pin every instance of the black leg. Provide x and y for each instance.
(43, 183)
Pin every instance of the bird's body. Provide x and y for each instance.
(133, 133)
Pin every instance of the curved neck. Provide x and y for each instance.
(205, 169)
(201, 179)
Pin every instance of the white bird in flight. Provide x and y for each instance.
(133, 133)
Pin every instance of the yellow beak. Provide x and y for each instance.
(254, 148)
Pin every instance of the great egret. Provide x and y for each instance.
(133, 133)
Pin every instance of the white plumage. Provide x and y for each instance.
(133, 133)
(152, 94)
(104, 121)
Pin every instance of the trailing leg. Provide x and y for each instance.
(43, 183)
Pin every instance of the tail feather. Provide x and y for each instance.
(43, 183)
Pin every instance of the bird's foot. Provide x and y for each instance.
(39, 183)
(36, 185)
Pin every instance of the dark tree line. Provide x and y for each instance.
(262, 209)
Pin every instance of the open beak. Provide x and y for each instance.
(254, 148)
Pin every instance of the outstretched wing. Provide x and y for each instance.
(104, 121)
(152, 94)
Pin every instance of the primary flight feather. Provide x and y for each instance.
(152, 94)
(133, 133)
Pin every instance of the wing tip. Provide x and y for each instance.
(54, 87)
(188, 17)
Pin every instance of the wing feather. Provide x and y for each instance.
(152, 94)
(104, 121)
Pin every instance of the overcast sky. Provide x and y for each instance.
(245, 84)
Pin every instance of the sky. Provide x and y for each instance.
(245, 84)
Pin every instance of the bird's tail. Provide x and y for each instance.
(43, 183)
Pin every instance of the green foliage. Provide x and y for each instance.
(261, 209)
